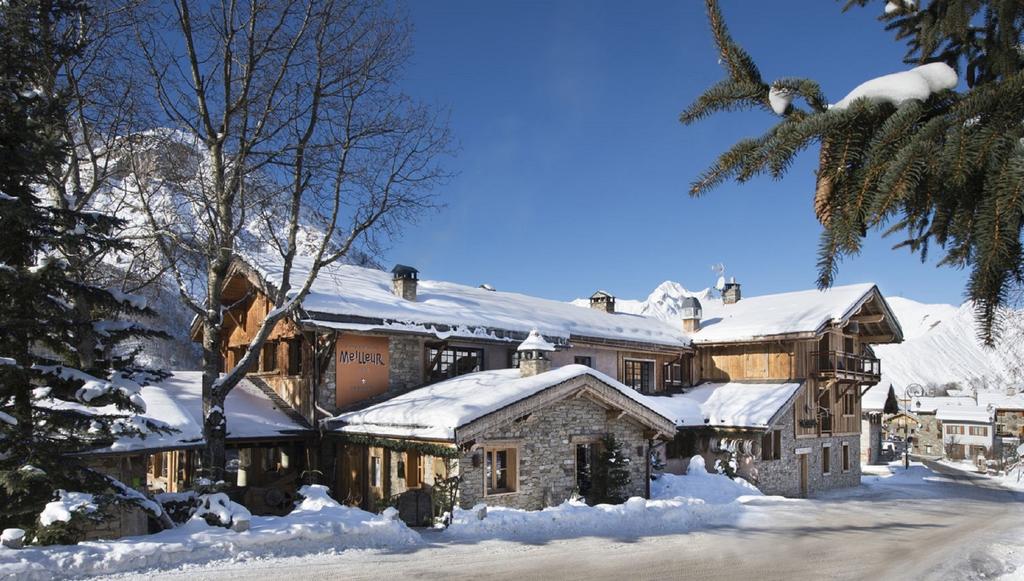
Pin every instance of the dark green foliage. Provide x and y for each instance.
(51, 391)
(445, 493)
(611, 476)
(947, 172)
(892, 406)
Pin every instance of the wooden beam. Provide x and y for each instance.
(868, 319)
(876, 338)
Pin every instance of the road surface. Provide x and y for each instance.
(947, 526)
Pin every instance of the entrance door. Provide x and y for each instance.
(804, 475)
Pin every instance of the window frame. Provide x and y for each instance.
(771, 446)
(846, 460)
(627, 376)
(587, 360)
(512, 480)
(294, 357)
(826, 459)
(672, 375)
(268, 357)
(450, 365)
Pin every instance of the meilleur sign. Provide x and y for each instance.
(362, 366)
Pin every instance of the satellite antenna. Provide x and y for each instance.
(719, 269)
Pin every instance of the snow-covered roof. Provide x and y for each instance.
(448, 309)
(934, 404)
(436, 411)
(807, 311)
(177, 402)
(1001, 401)
(729, 405)
(974, 414)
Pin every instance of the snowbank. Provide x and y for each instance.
(317, 524)
(679, 504)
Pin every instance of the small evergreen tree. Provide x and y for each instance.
(51, 405)
(947, 169)
(610, 475)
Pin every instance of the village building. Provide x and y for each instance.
(780, 382)
(524, 438)
(769, 385)
(1008, 413)
(967, 432)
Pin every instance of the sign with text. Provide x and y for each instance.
(362, 368)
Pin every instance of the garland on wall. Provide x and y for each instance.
(439, 450)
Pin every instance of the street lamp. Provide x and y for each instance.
(911, 391)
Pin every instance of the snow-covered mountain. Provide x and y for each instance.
(940, 344)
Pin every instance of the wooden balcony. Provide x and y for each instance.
(846, 367)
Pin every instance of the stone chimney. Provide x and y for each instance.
(533, 355)
(731, 292)
(603, 301)
(404, 280)
(692, 313)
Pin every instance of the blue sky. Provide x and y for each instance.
(573, 168)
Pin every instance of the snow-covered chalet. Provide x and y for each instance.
(410, 380)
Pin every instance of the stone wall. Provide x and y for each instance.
(547, 454)
(406, 362)
(782, 476)
(871, 439)
(1010, 423)
(927, 438)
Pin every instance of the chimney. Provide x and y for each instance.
(533, 355)
(731, 292)
(404, 280)
(602, 301)
(692, 312)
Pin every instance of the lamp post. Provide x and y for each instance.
(911, 391)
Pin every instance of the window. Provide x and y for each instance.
(453, 361)
(978, 430)
(846, 457)
(156, 465)
(638, 374)
(955, 430)
(584, 360)
(826, 460)
(849, 403)
(295, 356)
(672, 374)
(500, 470)
(375, 474)
(268, 362)
(771, 445)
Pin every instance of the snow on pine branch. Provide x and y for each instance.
(93, 387)
(918, 84)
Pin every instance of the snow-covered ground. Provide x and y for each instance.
(318, 524)
(677, 504)
(321, 525)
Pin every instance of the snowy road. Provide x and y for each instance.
(909, 526)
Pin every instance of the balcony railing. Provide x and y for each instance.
(840, 365)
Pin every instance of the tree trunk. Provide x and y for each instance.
(214, 419)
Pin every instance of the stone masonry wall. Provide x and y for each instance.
(547, 459)
(406, 362)
(782, 477)
(125, 520)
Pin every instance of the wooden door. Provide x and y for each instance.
(804, 475)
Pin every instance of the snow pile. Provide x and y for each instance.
(779, 99)
(680, 503)
(217, 508)
(318, 524)
(60, 510)
(699, 483)
(535, 342)
(918, 83)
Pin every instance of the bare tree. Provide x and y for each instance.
(303, 139)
